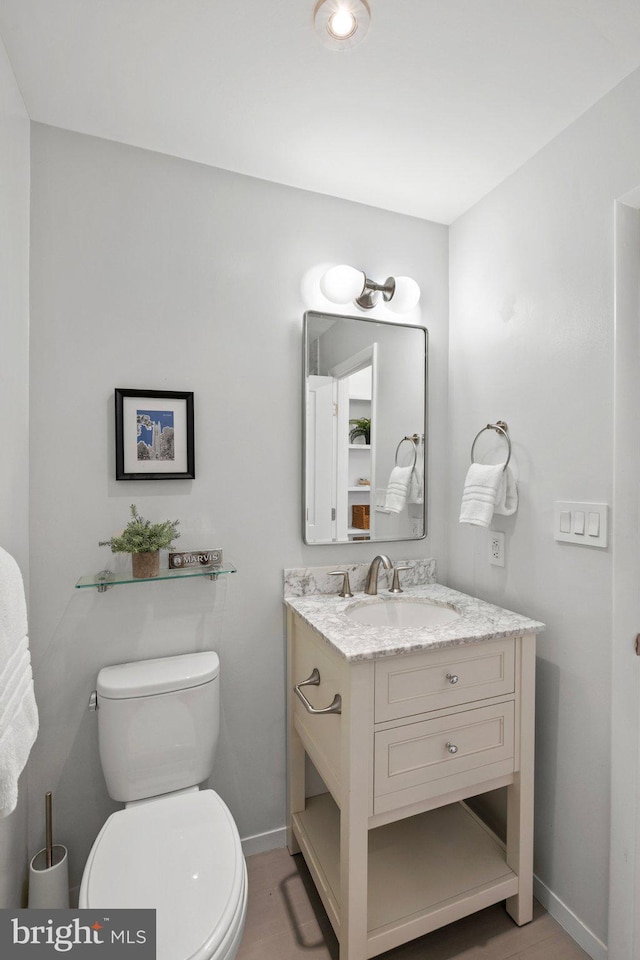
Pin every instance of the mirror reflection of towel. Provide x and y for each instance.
(397, 489)
(416, 482)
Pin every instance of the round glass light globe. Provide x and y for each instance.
(342, 284)
(406, 295)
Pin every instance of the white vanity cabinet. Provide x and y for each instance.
(394, 850)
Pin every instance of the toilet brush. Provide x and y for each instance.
(48, 828)
(49, 869)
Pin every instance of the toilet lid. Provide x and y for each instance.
(180, 855)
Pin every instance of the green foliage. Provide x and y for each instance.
(362, 429)
(142, 536)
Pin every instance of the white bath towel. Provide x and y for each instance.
(397, 489)
(18, 710)
(507, 498)
(480, 493)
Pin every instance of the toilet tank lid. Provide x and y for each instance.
(145, 678)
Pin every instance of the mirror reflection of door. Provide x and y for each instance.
(355, 462)
(364, 392)
(320, 476)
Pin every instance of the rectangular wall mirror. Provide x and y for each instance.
(364, 423)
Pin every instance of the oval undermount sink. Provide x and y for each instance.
(401, 613)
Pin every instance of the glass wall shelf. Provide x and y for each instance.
(109, 578)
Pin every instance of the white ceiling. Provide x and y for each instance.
(442, 100)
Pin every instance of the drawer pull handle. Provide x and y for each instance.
(314, 681)
(452, 678)
(451, 747)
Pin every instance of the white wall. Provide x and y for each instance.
(14, 398)
(531, 337)
(151, 272)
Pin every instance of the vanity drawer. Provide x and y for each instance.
(433, 757)
(406, 686)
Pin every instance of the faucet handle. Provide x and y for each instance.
(395, 584)
(346, 586)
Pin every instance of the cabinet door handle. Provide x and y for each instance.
(451, 747)
(452, 678)
(313, 680)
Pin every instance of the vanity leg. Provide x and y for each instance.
(353, 886)
(295, 785)
(354, 814)
(520, 794)
(295, 754)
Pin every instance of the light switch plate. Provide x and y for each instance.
(583, 523)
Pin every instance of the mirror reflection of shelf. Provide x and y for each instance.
(359, 456)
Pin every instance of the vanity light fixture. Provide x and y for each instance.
(342, 284)
(341, 24)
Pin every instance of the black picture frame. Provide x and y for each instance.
(163, 417)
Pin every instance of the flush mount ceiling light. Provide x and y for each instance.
(343, 284)
(341, 24)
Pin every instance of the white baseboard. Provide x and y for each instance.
(568, 920)
(272, 840)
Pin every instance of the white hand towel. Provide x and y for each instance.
(416, 483)
(18, 710)
(480, 493)
(507, 498)
(397, 489)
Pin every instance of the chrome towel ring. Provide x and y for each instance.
(500, 427)
(414, 440)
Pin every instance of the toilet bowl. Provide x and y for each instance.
(173, 848)
(181, 855)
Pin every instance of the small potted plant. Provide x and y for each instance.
(362, 428)
(143, 540)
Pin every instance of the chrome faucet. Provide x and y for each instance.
(371, 586)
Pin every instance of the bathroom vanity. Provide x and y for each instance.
(413, 721)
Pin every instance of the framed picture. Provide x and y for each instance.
(154, 435)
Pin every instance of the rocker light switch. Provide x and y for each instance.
(584, 523)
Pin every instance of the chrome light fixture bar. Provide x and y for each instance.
(343, 284)
(341, 24)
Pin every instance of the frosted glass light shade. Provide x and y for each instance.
(342, 284)
(341, 24)
(405, 296)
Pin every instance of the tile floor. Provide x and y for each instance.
(286, 921)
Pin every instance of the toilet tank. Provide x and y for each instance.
(158, 724)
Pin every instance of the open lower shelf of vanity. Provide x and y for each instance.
(424, 871)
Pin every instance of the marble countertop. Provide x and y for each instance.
(478, 621)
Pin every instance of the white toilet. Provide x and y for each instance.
(173, 847)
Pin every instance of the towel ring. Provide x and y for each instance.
(414, 442)
(500, 427)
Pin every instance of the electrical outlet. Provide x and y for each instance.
(496, 548)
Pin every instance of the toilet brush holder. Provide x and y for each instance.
(49, 869)
(49, 886)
